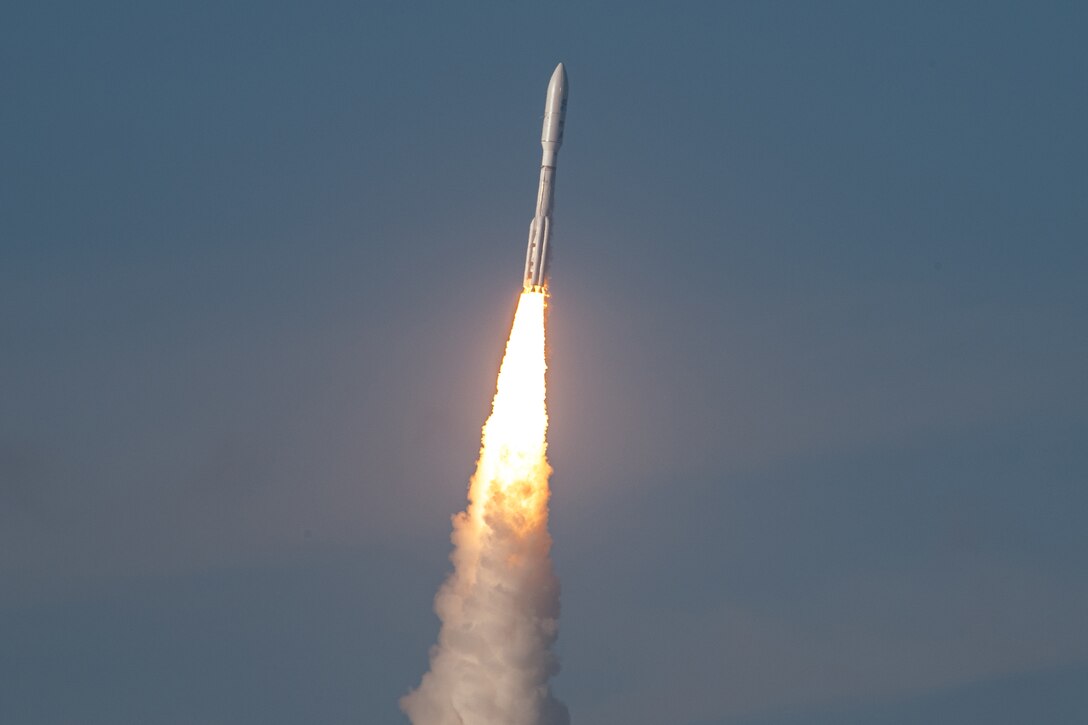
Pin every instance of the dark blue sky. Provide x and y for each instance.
(818, 354)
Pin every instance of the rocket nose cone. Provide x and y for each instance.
(558, 84)
(555, 108)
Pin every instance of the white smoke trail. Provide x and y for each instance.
(500, 606)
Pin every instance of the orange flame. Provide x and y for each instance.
(512, 473)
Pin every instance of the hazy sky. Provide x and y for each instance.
(818, 348)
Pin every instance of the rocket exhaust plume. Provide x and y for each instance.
(500, 606)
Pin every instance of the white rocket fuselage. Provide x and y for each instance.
(551, 138)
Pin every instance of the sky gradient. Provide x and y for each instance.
(817, 346)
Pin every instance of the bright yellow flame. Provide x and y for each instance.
(511, 478)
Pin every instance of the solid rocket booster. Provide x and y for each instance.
(551, 138)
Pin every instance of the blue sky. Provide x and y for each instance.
(817, 353)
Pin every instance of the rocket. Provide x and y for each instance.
(551, 138)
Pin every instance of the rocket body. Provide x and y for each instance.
(551, 138)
